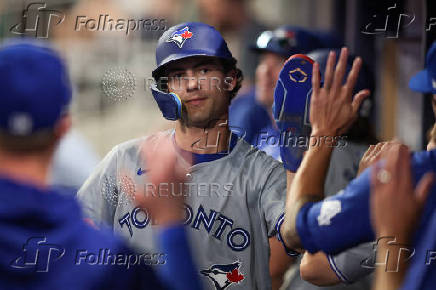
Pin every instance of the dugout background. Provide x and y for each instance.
(92, 54)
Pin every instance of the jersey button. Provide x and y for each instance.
(188, 176)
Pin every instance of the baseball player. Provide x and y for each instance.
(250, 115)
(345, 163)
(45, 242)
(236, 193)
(342, 221)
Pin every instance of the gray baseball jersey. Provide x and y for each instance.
(232, 207)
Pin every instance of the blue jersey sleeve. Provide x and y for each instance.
(339, 222)
(343, 220)
(179, 272)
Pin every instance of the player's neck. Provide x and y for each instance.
(203, 140)
(29, 169)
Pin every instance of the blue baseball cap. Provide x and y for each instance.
(425, 80)
(35, 89)
(286, 41)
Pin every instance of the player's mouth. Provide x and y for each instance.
(195, 101)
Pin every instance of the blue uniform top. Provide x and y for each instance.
(343, 220)
(45, 244)
(247, 118)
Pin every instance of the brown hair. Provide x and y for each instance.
(35, 143)
(228, 66)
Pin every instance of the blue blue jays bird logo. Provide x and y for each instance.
(222, 276)
(180, 36)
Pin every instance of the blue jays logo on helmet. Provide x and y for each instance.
(298, 75)
(224, 275)
(179, 37)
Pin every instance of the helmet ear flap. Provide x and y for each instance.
(169, 103)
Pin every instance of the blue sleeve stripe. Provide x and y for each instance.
(179, 272)
(279, 223)
(335, 269)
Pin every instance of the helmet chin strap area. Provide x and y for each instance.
(169, 103)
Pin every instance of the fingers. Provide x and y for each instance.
(398, 165)
(423, 188)
(341, 68)
(375, 153)
(353, 75)
(368, 152)
(329, 70)
(358, 99)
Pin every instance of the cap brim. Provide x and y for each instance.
(421, 82)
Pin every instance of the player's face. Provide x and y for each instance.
(200, 84)
(267, 74)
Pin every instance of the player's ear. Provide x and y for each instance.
(231, 80)
(63, 126)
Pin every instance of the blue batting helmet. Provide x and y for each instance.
(181, 41)
(189, 39)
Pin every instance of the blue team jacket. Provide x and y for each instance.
(45, 244)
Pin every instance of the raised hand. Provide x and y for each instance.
(163, 195)
(395, 203)
(332, 108)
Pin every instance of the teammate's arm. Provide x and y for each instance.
(346, 267)
(332, 111)
(315, 269)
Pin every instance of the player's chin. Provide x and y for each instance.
(199, 120)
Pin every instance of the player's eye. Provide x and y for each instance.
(177, 74)
(204, 70)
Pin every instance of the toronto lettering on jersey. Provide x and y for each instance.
(237, 239)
